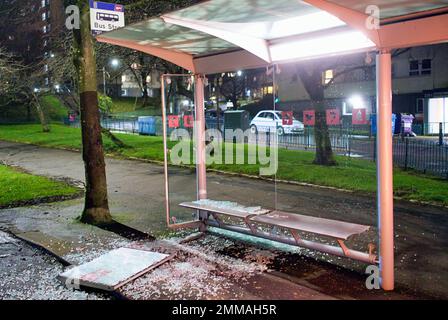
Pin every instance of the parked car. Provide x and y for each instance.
(269, 120)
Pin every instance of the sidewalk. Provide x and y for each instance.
(136, 192)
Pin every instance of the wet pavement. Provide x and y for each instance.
(136, 192)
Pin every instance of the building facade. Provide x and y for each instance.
(37, 23)
(419, 75)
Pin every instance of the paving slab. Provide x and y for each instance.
(115, 268)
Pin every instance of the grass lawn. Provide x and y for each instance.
(18, 188)
(351, 174)
(53, 107)
(130, 107)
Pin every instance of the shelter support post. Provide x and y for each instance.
(165, 152)
(385, 169)
(200, 127)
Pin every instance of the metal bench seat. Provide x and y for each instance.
(293, 223)
(325, 227)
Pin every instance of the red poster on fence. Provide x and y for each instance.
(188, 121)
(173, 122)
(359, 116)
(287, 118)
(333, 117)
(309, 117)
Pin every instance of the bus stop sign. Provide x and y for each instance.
(105, 16)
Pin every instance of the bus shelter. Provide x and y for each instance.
(218, 36)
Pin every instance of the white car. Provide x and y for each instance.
(269, 120)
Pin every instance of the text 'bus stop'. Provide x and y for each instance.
(225, 35)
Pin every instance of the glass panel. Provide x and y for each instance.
(241, 145)
(179, 122)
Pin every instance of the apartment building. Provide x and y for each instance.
(31, 36)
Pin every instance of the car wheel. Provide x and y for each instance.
(253, 129)
(280, 131)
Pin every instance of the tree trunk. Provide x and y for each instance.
(324, 152)
(235, 102)
(145, 97)
(312, 81)
(144, 75)
(41, 114)
(96, 208)
(113, 138)
(28, 113)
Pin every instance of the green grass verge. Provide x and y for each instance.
(18, 188)
(53, 107)
(130, 107)
(351, 174)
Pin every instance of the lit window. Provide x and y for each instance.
(268, 90)
(328, 76)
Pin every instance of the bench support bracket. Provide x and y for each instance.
(344, 248)
(296, 236)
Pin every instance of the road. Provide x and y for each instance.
(136, 192)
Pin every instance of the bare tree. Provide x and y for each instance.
(18, 85)
(231, 86)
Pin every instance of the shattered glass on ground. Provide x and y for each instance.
(29, 274)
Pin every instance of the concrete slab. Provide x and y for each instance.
(114, 269)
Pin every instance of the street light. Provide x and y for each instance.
(356, 101)
(115, 63)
